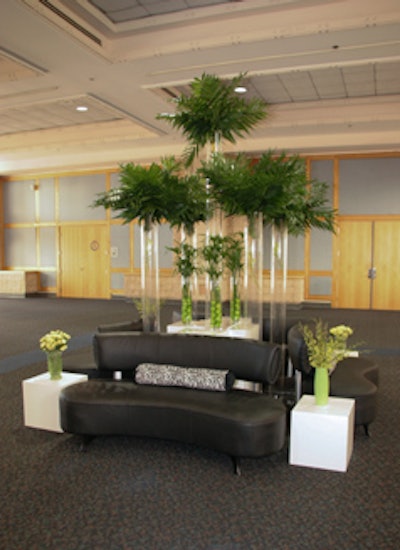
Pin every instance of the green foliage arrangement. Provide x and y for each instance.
(186, 202)
(157, 193)
(213, 255)
(288, 197)
(233, 254)
(231, 184)
(185, 259)
(276, 187)
(325, 346)
(141, 194)
(214, 111)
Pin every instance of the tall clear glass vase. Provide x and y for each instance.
(252, 288)
(190, 293)
(187, 302)
(150, 284)
(234, 300)
(215, 304)
(278, 288)
(213, 229)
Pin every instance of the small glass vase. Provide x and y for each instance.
(54, 364)
(321, 386)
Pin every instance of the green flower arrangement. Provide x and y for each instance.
(55, 340)
(326, 346)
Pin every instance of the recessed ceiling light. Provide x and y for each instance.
(82, 108)
(240, 89)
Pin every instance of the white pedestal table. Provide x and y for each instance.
(322, 436)
(41, 399)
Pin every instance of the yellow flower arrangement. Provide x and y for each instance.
(55, 340)
(326, 347)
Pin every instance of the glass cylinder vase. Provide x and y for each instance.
(252, 287)
(149, 273)
(54, 364)
(190, 293)
(278, 288)
(215, 304)
(187, 302)
(235, 302)
(321, 385)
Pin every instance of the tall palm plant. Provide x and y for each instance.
(142, 196)
(298, 202)
(213, 111)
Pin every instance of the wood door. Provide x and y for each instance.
(354, 262)
(386, 260)
(84, 261)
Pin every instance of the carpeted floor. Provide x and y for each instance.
(132, 493)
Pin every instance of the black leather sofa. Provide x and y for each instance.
(238, 422)
(356, 378)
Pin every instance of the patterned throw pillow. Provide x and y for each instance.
(196, 378)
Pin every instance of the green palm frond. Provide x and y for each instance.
(289, 197)
(157, 193)
(213, 111)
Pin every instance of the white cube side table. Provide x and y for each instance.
(322, 436)
(41, 399)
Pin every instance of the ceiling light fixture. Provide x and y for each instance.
(82, 108)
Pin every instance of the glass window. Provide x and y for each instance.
(369, 186)
(77, 194)
(19, 201)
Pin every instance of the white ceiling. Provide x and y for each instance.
(330, 71)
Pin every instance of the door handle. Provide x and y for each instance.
(372, 273)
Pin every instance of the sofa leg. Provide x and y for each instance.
(86, 440)
(366, 429)
(236, 465)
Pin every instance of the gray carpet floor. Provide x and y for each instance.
(138, 493)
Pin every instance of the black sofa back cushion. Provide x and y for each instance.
(247, 359)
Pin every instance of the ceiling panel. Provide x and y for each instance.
(56, 114)
(301, 56)
(360, 81)
(13, 69)
(388, 78)
(329, 83)
(364, 80)
(121, 11)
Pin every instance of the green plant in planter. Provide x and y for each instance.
(185, 262)
(233, 186)
(186, 205)
(233, 256)
(288, 197)
(214, 111)
(276, 186)
(186, 202)
(141, 194)
(213, 255)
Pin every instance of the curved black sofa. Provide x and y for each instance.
(239, 423)
(356, 378)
